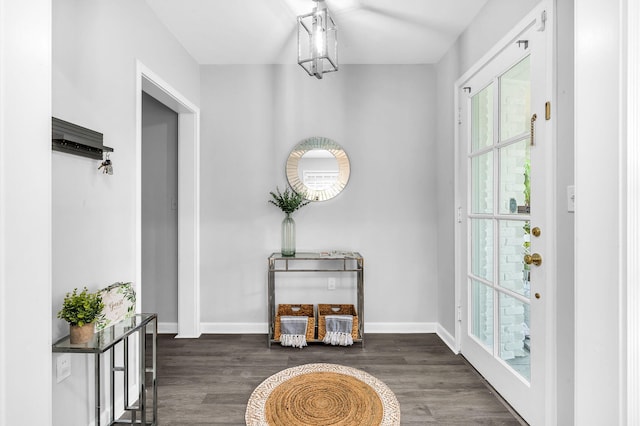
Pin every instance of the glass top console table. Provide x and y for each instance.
(333, 261)
(105, 341)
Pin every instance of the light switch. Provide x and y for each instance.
(571, 198)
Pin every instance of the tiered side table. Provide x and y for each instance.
(328, 262)
(105, 341)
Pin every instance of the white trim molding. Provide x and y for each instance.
(235, 328)
(376, 327)
(105, 415)
(167, 328)
(447, 338)
(188, 200)
(26, 386)
(633, 207)
(601, 192)
(400, 327)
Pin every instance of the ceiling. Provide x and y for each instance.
(265, 32)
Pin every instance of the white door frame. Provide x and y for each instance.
(460, 200)
(607, 104)
(188, 197)
(633, 219)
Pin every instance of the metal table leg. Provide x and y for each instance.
(360, 284)
(97, 388)
(112, 390)
(125, 380)
(154, 372)
(271, 301)
(142, 373)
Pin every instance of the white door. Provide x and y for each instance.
(506, 184)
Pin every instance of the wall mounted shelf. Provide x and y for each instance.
(73, 139)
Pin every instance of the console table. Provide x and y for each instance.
(316, 262)
(106, 340)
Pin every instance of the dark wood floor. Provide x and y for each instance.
(208, 381)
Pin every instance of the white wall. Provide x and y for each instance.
(565, 221)
(25, 212)
(384, 117)
(495, 19)
(95, 47)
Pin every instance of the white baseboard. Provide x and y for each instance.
(105, 413)
(261, 328)
(167, 327)
(400, 327)
(370, 327)
(234, 327)
(447, 338)
(172, 328)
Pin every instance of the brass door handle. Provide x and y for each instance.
(534, 258)
(534, 117)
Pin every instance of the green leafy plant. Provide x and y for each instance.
(81, 308)
(287, 201)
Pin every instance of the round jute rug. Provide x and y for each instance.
(322, 394)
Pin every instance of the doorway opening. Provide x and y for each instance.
(160, 212)
(188, 202)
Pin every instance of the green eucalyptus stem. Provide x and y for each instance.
(287, 201)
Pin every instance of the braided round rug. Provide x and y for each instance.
(322, 394)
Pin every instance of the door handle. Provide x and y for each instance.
(534, 117)
(534, 258)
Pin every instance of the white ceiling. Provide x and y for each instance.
(264, 31)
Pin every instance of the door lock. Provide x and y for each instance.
(534, 258)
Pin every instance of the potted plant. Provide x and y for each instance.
(80, 310)
(288, 201)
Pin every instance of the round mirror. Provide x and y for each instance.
(318, 169)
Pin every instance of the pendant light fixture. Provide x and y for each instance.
(317, 41)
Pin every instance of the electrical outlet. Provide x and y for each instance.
(63, 367)
(331, 284)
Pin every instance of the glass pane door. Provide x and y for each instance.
(499, 187)
(506, 217)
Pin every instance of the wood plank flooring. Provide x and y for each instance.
(208, 381)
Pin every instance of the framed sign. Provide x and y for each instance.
(119, 303)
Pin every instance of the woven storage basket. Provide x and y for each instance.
(324, 310)
(296, 310)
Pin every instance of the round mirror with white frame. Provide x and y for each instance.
(318, 168)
